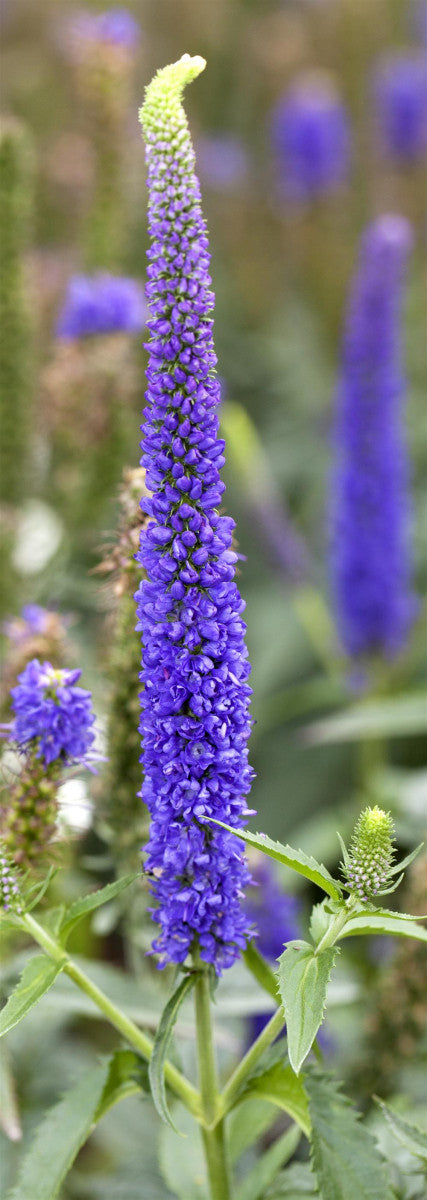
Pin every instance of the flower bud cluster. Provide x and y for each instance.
(371, 853)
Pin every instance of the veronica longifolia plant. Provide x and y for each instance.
(195, 726)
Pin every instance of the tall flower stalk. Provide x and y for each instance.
(370, 499)
(195, 722)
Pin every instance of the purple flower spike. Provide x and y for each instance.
(400, 91)
(52, 715)
(311, 139)
(101, 304)
(370, 501)
(195, 722)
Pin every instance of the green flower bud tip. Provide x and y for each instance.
(371, 853)
(10, 896)
(162, 104)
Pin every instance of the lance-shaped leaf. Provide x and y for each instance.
(94, 900)
(60, 1137)
(344, 1157)
(37, 977)
(160, 1048)
(295, 859)
(303, 977)
(409, 1135)
(382, 921)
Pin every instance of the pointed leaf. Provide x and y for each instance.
(260, 969)
(88, 903)
(268, 1165)
(303, 978)
(396, 924)
(401, 866)
(127, 1075)
(409, 1135)
(295, 859)
(344, 1156)
(37, 977)
(160, 1048)
(59, 1138)
(281, 1087)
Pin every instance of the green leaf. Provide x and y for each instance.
(281, 1087)
(303, 978)
(295, 859)
(181, 1159)
(160, 1048)
(88, 903)
(409, 1135)
(37, 977)
(319, 921)
(127, 1074)
(247, 1123)
(267, 1166)
(296, 1183)
(344, 1157)
(398, 716)
(38, 890)
(59, 1138)
(382, 921)
(260, 969)
(401, 866)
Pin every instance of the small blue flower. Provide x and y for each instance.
(370, 503)
(101, 304)
(311, 139)
(400, 91)
(52, 715)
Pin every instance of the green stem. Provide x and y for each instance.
(139, 1040)
(330, 937)
(213, 1138)
(246, 1066)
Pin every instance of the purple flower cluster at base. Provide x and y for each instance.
(101, 304)
(369, 495)
(195, 722)
(52, 715)
(311, 139)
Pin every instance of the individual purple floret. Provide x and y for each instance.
(400, 93)
(311, 139)
(52, 715)
(101, 304)
(369, 499)
(117, 27)
(222, 160)
(195, 721)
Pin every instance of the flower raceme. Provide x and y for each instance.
(52, 715)
(195, 722)
(369, 494)
(311, 138)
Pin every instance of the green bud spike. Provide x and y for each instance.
(10, 894)
(371, 853)
(28, 822)
(162, 105)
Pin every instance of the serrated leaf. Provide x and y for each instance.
(395, 924)
(303, 978)
(160, 1048)
(302, 863)
(88, 903)
(344, 1157)
(59, 1138)
(409, 1135)
(268, 1165)
(37, 977)
(281, 1087)
(260, 969)
(397, 716)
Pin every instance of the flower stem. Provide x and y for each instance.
(330, 937)
(213, 1134)
(236, 1081)
(136, 1038)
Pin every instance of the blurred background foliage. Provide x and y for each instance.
(281, 272)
